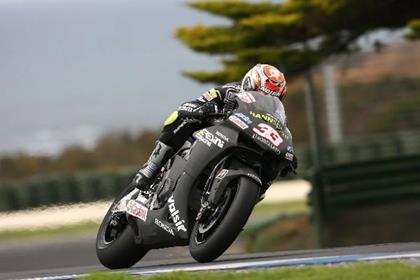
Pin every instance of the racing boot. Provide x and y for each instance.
(157, 159)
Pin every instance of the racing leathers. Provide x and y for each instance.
(176, 131)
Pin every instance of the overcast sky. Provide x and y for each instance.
(71, 70)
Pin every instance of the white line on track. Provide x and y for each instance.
(258, 264)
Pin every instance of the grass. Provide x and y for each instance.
(89, 227)
(359, 271)
(284, 207)
(267, 213)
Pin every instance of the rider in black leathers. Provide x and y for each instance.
(262, 77)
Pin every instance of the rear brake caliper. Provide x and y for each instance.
(117, 222)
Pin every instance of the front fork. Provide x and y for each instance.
(209, 205)
(214, 193)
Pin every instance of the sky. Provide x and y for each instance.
(72, 70)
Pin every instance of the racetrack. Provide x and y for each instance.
(77, 256)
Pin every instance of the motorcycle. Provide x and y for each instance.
(205, 193)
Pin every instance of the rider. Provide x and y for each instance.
(262, 77)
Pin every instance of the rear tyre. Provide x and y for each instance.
(115, 245)
(239, 202)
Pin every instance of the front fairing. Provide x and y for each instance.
(262, 119)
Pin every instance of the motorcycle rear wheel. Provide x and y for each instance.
(234, 212)
(117, 248)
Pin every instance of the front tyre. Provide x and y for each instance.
(209, 239)
(115, 243)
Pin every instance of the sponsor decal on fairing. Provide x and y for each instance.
(221, 135)
(244, 117)
(179, 223)
(241, 124)
(268, 118)
(136, 209)
(209, 138)
(165, 227)
(269, 133)
(266, 142)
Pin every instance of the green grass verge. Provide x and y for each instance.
(263, 209)
(268, 213)
(89, 227)
(360, 271)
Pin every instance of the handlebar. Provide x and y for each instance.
(219, 115)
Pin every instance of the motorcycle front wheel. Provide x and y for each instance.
(115, 243)
(211, 236)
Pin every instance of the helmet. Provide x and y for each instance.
(267, 79)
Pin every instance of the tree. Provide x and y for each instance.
(294, 35)
(414, 26)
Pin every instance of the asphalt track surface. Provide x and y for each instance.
(77, 256)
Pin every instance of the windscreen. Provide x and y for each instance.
(255, 102)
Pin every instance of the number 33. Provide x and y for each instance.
(269, 133)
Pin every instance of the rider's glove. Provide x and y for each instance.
(230, 104)
(209, 108)
(293, 165)
(201, 112)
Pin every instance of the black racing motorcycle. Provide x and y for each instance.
(206, 192)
